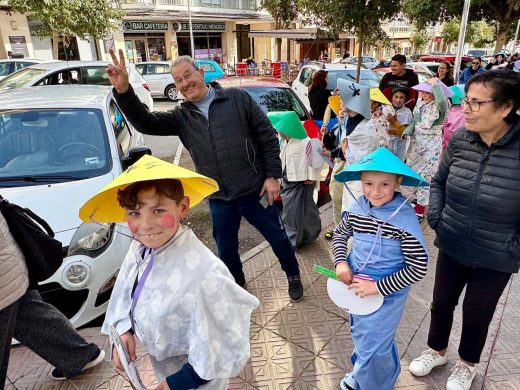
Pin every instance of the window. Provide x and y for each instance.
(207, 68)
(140, 68)
(277, 99)
(21, 65)
(6, 68)
(121, 129)
(306, 76)
(157, 69)
(52, 145)
(94, 75)
(66, 76)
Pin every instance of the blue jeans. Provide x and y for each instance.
(226, 216)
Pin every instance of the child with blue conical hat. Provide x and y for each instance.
(300, 213)
(388, 255)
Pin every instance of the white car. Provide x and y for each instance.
(73, 72)
(159, 77)
(8, 66)
(335, 71)
(58, 147)
(367, 61)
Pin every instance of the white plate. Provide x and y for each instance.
(347, 299)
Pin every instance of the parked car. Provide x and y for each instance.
(415, 57)
(160, 80)
(335, 71)
(367, 61)
(431, 67)
(8, 66)
(58, 147)
(464, 63)
(73, 72)
(276, 95)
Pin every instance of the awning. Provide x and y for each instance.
(302, 33)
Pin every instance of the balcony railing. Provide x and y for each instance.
(229, 4)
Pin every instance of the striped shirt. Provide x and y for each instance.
(415, 255)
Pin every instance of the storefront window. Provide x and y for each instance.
(207, 46)
(156, 49)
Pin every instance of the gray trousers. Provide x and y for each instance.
(45, 331)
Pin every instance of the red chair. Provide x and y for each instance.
(277, 69)
(241, 69)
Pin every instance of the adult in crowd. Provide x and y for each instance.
(36, 324)
(476, 218)
(511, 65)
(496, 61)
(319, 97)
(471, 71)
(399, 76)
(444, 73)
(230, 140)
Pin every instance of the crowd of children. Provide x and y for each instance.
(175, 296)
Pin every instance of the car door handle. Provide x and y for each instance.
(305, 94)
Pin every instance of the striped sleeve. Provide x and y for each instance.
(340, 240)
(416, 263)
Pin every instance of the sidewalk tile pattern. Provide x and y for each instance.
(307, 345)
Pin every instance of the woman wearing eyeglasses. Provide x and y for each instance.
(475, 212)
(471, 71)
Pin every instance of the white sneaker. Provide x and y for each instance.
(461, 377)
(424, 364)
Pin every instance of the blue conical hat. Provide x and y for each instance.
(356, 97)
(381, 160)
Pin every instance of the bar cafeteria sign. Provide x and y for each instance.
(130, 25)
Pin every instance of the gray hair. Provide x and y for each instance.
(181, 59)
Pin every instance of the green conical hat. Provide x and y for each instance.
(288, 123)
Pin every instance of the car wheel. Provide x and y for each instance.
(171, 93)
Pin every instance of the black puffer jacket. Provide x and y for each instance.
(475, 201)
(237, 147)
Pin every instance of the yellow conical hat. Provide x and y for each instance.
(104, 207)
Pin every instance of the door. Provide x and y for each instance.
(157, 76)
(135, 50)
(301, 85)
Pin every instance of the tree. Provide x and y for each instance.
(283, 13)
(479, 33)
(62, 19)
(420, 40)
(503, 13)
(362, 17)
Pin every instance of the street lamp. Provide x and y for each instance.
(191, 30)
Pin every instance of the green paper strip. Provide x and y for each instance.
(324, 271)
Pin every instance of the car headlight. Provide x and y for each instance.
(76, 274)
(91, 239)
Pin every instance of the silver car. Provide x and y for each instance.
(58, 147)
(74, 72)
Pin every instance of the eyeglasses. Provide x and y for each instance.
(474, 105)
(476, 63)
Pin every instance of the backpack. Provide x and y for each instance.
(43, 254)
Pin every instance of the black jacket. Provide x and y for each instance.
(475, 201)
(319, 100)
(237, 147)
(409, 79)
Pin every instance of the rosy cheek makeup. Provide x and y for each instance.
(132, 226)
(168, 221)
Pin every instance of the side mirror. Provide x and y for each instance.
(134, 154)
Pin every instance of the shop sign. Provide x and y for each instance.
(130, 25)
(18, 44)
(207, 27)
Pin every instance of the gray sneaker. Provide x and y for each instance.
(424, 364)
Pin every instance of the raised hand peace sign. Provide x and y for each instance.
(117, 73)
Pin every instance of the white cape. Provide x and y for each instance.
(190, 310)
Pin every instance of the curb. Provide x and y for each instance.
(178, 153)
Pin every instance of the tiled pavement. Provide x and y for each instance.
(306, 345)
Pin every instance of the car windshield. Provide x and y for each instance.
(277, 99)
(368, 77)
(51, 146)
(21, 78)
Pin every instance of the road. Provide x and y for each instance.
(162, 147)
